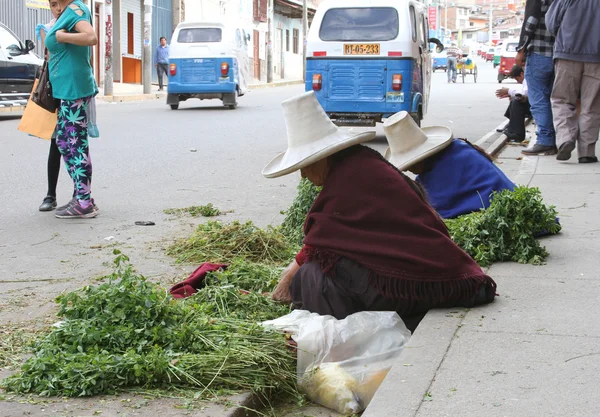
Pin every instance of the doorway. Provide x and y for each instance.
(256, 55)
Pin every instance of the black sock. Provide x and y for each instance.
(53, 168)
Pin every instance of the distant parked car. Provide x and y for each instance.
(19, 66)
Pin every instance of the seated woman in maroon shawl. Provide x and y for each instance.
(372, 242)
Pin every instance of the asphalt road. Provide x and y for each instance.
(150, 158)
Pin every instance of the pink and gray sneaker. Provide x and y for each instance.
(74, 210)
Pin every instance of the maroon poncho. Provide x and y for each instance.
(368, 212)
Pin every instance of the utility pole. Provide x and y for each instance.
(304, 33)
(446, 21)
(147, 59)
(108, 67)
(269, 43)
(176, 7)
(490, 28)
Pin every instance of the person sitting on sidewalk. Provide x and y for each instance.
(458, 177)
(518, 108)
(372, 242)
(577, 65)
(454, 54)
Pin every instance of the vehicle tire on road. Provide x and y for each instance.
(174, 106)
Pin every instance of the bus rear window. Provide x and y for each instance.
(199, 35)
(355, 24)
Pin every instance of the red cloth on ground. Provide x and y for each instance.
(368, 212)
(194, 281)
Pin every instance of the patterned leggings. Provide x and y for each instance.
(72, 142)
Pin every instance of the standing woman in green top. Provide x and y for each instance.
(73, 83)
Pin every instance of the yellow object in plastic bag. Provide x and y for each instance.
(331, 386)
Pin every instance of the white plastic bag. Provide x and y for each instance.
(341, 363)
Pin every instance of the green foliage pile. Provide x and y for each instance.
(293, 223)
(224, 243)
(195, 211)
(130, 332)
(507, 230)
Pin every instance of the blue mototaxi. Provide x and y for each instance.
(369, 60)
(440, 61)
(207, 60)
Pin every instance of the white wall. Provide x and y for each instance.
(135, 7)
(292, 62)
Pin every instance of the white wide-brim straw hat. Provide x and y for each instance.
(311, 136)
(410, 144)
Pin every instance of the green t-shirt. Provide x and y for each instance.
(71, 73)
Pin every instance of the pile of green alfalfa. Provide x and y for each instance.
(506, 231)
(130, 332)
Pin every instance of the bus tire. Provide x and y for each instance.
(174, 106)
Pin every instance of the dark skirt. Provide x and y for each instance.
(349, 292)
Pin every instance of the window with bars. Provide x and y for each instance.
(296, 41)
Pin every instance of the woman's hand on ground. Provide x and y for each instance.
(282, 292)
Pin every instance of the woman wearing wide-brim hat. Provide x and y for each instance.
(372, 242)
(458, 177)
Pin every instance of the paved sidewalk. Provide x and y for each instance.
(135, 92)
(536, 350)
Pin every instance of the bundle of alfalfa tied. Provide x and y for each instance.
(341, 363)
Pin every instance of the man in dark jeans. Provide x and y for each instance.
(161, 57)
(537, 44)
(518, 108)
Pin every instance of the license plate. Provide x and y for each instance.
(394, 97)
(362, 49)
(223, 80)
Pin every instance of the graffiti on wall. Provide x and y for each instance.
(108, 37)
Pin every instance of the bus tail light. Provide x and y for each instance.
(173, 69)
(224, 69)
(397, 82)
(317, 82)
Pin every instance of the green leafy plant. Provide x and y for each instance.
(248, 276)
(195, 211)
(130, 332)
(218, 242)
(295, 216)
(507, 230)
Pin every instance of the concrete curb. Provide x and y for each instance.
(406, 385)
(496, 147)
(124, 98)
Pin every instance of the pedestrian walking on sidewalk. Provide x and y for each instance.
(518, 108)
(454, 54)
(576, 25)
(536, 45)
(73, 82)
(372, 242)
(161, 57)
